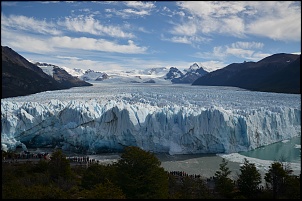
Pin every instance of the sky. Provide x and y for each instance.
(116, 35)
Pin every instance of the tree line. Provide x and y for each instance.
(138, 175)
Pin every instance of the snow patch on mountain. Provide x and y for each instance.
(76, 72)
(47, 68)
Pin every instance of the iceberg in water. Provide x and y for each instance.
(174, 119)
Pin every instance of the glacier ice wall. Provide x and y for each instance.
(149, 121)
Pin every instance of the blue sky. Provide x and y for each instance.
(116, 35)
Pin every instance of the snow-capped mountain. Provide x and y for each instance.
(194, 72)
(167, 119)
(174, 73)
(150, 75)
(85, 75)
(155, 72)
(192, 68)
(91, 75)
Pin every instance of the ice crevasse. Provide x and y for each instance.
(93, 126)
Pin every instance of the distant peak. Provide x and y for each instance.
(194, 66)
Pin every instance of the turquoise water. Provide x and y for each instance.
(285, 151)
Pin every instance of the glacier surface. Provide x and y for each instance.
(166, 118)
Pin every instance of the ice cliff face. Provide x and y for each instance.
(98, 122)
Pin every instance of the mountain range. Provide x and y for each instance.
(151, 75)
(276, 73)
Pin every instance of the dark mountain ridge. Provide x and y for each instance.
(20, 77)
(276, 73)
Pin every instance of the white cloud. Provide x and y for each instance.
(90, 25)
(85, 43)
(67, 57)
(187, 29)
(271, 19)
(21, 41)
(212, 65)
(241, 53)
(84, 24)
(257, 56)
(142, 29)
(47, 2)
(29, 24)
(247, 45)
(191, 40)
(179, 39)
(205, 9)
(233, 26)
(244, 50)
(132, 11)
(285, 29)
(36, 45)
(175, 13)
(136, 8)
(83, 63)
(215, 17)
(218, 54)
(140, 4)
(85, 10)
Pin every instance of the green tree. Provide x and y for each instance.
(174, 187)
(275, 178)
(41, 167)
(194, 189)
(43, 192)
(97, 174)
(140, 175)
(223, 184)
(249, 179)
(292, 183)
(106, 190)
(59, 166)
(281, 182)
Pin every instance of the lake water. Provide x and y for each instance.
(287, 150)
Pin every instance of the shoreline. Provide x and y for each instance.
(200, 164)
(206, 166)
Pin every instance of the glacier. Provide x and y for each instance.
(160, 118)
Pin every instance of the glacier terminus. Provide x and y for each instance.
(161, 118)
